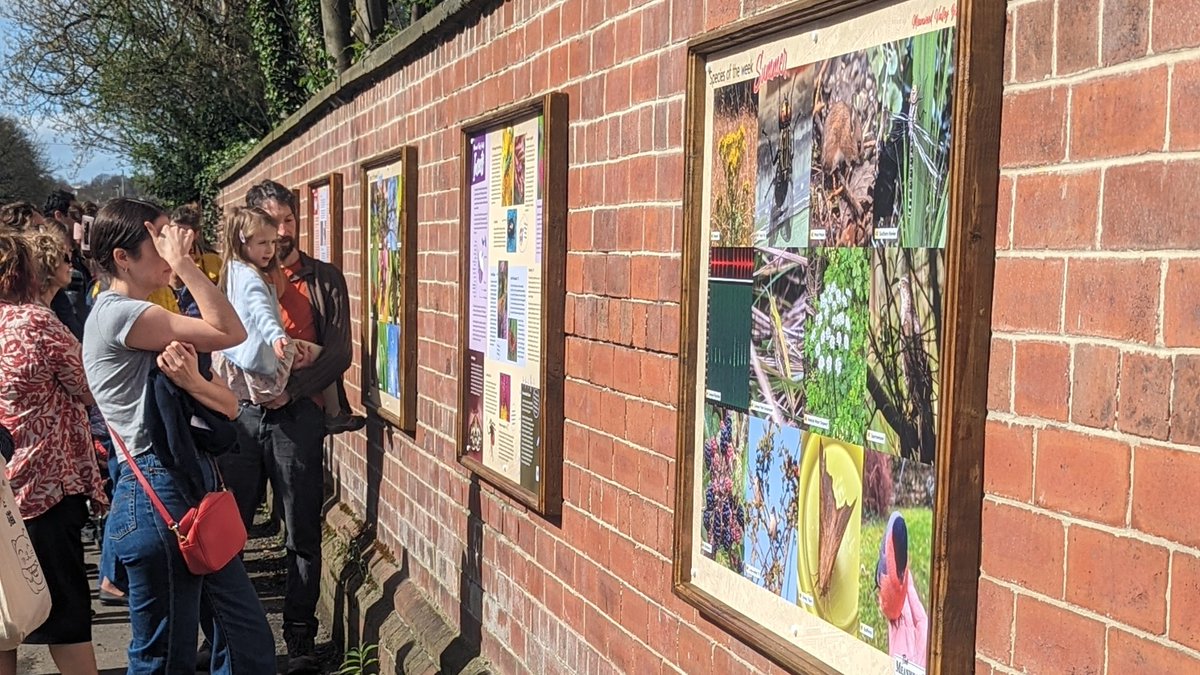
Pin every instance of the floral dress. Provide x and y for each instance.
(42, 389)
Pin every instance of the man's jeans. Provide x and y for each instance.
(286, 447)
(165, 598)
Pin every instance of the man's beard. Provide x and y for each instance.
(286, 246)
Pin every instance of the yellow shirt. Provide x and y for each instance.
(210, 264)
(165, 298)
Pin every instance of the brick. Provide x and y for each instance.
(1094, 386)
(1185, 600)
(1126, 30)
(1008, 461)
(1128, 653)
(1054, 640)
(1127, 290)
(1176, 25)
(1078, 44)
(720, 12)
(1035, 127)
(1131, 192)
(1125, 114)
(1041, 382)
(993, 635)
(1022, 547)
(1028, 294)
(1004, 213)
(1057, 211)
(1145, 400)
(1181, 304)
(1185, 404)
(1185, 91)
(1033, 33)
(616, 278)
(1159, 506)
(1082, 475)
(1119, 577)
(1000, 372)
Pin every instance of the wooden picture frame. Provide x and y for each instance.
(510, 424)
(748, 50)
(388, 183)
(325, 245)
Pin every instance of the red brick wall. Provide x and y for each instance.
(1091, 556)
(1091, 549)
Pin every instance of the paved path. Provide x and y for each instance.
(110, 627)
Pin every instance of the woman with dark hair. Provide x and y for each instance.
(125, 338)
(53, 470)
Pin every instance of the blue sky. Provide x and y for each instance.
(66, 159)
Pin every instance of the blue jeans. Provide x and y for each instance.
(165, 598)
(110, 567)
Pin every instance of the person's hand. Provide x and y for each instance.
(279, 401)
(281, 348)
(174, 244)
(98, 508)
(178, 362)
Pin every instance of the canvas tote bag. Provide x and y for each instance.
(24, 597)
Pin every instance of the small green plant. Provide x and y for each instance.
(359, 660)
(835, 348)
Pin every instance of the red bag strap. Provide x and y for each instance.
(137, 471)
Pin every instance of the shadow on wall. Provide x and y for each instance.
(372, 599)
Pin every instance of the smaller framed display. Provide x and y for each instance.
(324, 219)
(388, 190)
(513, 260)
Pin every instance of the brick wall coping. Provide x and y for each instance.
(383, 61)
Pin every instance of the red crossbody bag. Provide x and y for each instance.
(210, 534)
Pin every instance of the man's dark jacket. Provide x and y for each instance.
(331, 316)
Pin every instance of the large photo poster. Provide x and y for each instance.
(505, 300)
(824, 209)
(389, 310)
(513, 303)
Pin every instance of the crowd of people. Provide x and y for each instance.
(125, 338)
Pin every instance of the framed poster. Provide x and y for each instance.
(842, 164)
(388, 189)
(513, 253)
(325, 219)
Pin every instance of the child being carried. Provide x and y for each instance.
(257, 370)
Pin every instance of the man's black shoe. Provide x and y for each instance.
(343, 423)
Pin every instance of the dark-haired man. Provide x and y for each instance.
(69, 304)
(283, 441)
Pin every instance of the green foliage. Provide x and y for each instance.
(359, 660)
(275, 47)
(836, 367)
(920, 537)
(316, 64)
(23, 171)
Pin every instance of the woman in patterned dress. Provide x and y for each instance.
(53, 472)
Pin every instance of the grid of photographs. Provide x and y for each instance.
(829, 193)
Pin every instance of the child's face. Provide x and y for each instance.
(260, 248)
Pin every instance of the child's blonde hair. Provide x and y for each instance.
(242, 224)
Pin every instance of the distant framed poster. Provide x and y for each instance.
(838, 258)
(513, 253)
(388, 189)
(324, 219)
